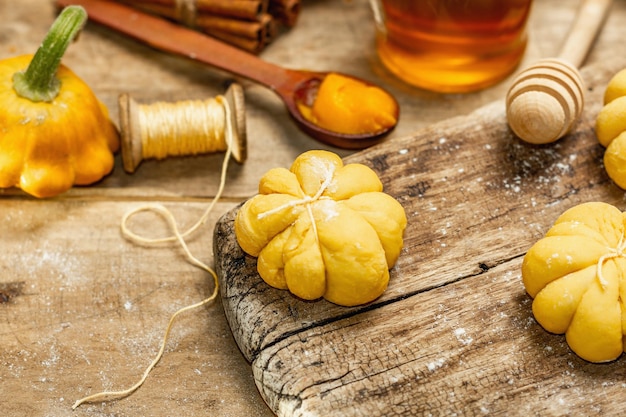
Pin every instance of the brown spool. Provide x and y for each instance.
(130, 129)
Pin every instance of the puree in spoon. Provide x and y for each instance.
(347, 105)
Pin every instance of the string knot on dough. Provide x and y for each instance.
(617, 252)
(323, 229)
(575, 290)
(307, 199)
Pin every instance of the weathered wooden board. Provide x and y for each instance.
(454, 331)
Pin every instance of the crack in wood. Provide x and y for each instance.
(370, 307)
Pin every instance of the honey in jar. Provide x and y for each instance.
(451, 46)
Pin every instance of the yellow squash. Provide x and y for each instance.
(323, 229)
(54, 132)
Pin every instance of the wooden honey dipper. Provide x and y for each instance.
(546, 99)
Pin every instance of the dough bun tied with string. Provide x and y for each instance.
(323, 229)
(576, 275)
(611, 129)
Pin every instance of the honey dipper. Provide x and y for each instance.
(546, 99)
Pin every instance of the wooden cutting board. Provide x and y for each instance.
(454, 332)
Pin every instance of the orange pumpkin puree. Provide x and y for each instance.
(346, 105)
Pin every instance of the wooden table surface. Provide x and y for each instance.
(84, 310)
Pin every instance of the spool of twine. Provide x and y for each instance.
(161, 130)
(215, 130)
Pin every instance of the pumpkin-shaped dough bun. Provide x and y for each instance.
(577, 277)
(323, 229)
(611, 128)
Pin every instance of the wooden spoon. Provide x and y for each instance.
(546, 99)
(292, 86)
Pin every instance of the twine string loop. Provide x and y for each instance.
(180, 238)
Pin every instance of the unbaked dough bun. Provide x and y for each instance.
(323, 229)
(611, 129)
(577, 277)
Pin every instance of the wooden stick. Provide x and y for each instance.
(154, 8)
(582, 34)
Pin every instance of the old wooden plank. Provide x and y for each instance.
(476, 199)
(467, 348)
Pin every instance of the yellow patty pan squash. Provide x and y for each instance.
(611, 128)
(323, 229)
(577, 277)
(54, 132)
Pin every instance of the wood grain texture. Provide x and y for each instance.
(83, 310)
(454, 332)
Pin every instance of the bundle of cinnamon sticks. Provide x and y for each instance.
(248, 24)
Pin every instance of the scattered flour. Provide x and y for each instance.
(462, 336)
(436, 364)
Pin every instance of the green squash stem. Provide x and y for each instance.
(39, 81)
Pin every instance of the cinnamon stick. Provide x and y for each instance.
(251, 30)
(247, 24)
(268, 21)
(241, 9)
(251, 45)
(285, 11)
